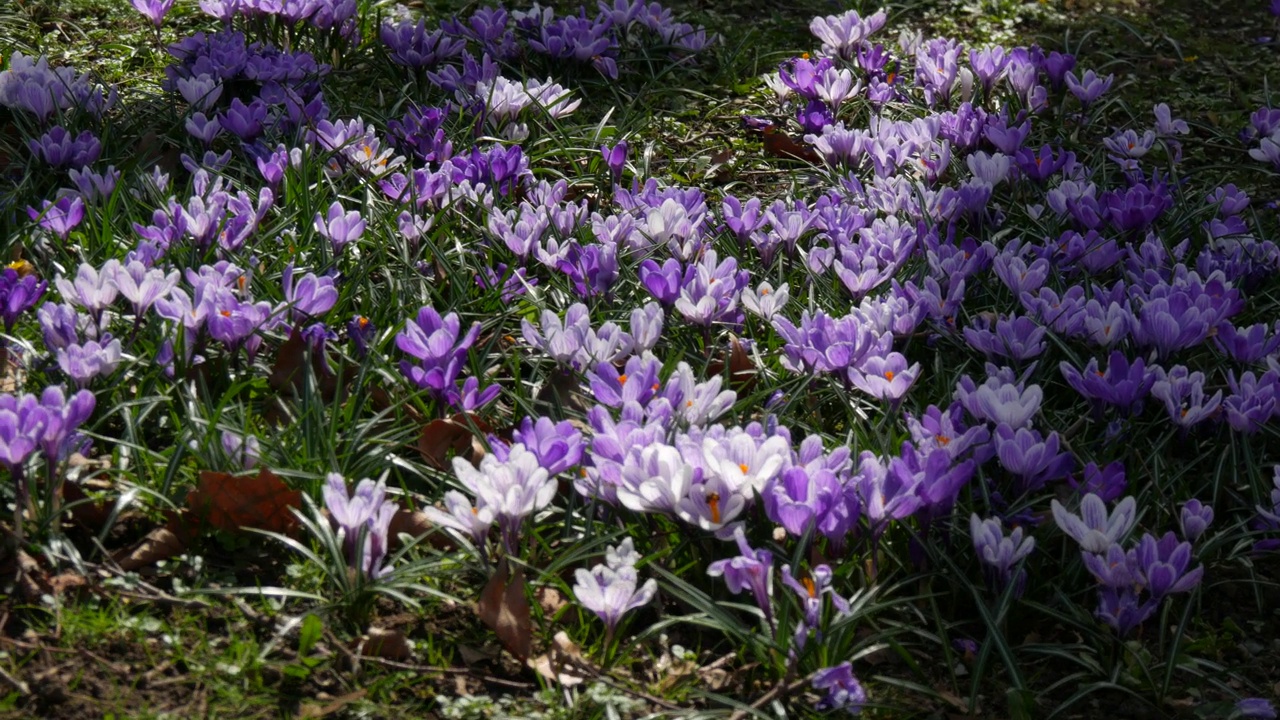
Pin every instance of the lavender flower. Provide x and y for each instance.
(363, 520)
(153, 10)
(609, 590)
(750, 570)
(59, 217)
(1254, 707)
(1195, 519)
(1000, 553)
(340, 227)
(513, 488)
(844, 692)
(1095, 529)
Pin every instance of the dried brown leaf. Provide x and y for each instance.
(504, 608)
(387, 644)
(229, 502)
(160, 544)
(452, 437)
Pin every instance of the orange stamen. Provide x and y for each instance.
(713, 502)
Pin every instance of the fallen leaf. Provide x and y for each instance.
(229, 502)
(415, 524)
(550, 600)
(388, 644)
(160, 544)
(452, 437)
(564, 653)
(287, 376)
(504, 608)
(742, 371)
(779, 144)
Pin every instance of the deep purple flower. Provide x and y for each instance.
(439, 346)
(245, 121)
(310, 296)
(615, 158)
(1255, 707)
(1196, 517)
(18, 293)
(1162, 565)
(1035, 459)
(59, 149)
(411, 45)
(1108, 483)
(1018, 338)
(1122, 384)
(558, 446)
(1120, 609)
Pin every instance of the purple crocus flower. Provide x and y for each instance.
(83, 363)
(1108, 483)
(153, 10)
(1196, 517)
(1183, 395)
(59, 149)
(18, 293)
(884, 377)
(1254, 707)
(63, 416)
(1120, 609)
(364, 521)
(339, 226)
(1035, 459)
(558, 446)
(59, 217)
(1162, 565)
(141, 285)
(615, 158)
(22, 421)
(311, 296)
(1089, 87)
(609, 590)
(1000, 401)
(439, 346)
(513, 487)
(751, 570)
(1000, 553)
(241, 450)
(843, 691)
(1095, 529)
(244, 121)
(1018, 338)
(1123, 384)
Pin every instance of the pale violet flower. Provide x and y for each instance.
(1094, 528)
(609, 590)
